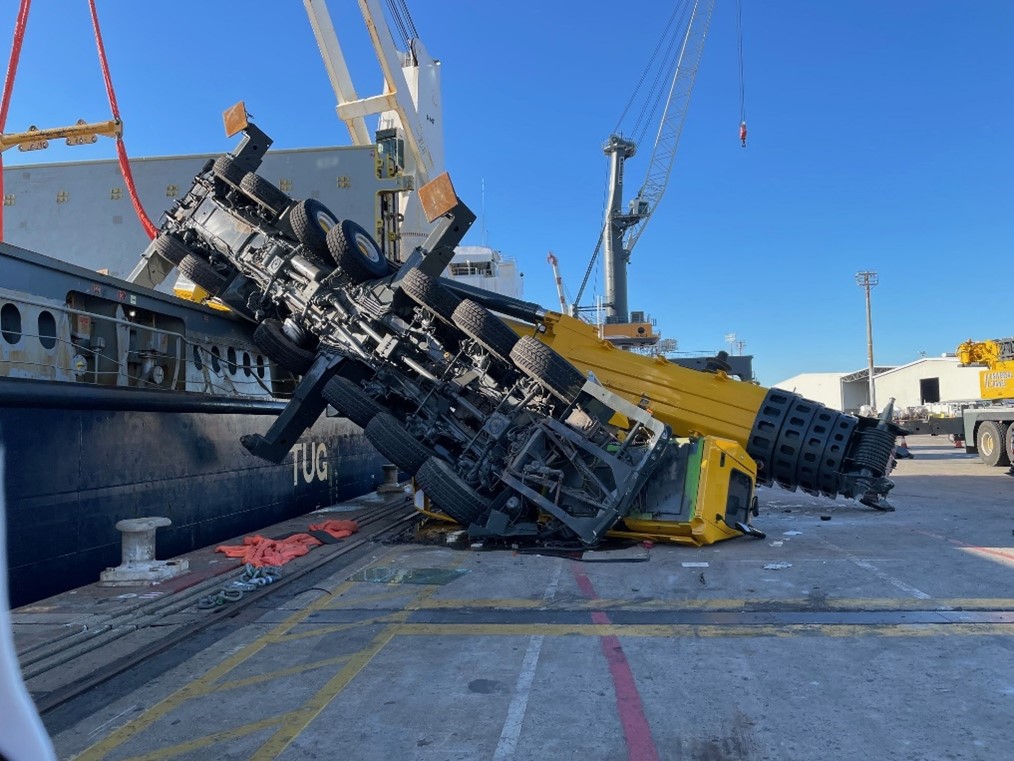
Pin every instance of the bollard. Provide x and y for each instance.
(138, 566)
(390, 485)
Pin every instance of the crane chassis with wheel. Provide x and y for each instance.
(990, 430)
(525, 426)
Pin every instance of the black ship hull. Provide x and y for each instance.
(117, 401)
(79, 460)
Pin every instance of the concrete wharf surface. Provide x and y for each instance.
(862, 635)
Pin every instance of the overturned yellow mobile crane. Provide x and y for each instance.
(526, 427)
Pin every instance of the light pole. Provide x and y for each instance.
(867, 280)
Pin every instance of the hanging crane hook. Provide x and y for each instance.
(742, 133)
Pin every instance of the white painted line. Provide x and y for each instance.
(508, 744)
(867, 566)
(695, 565)
(106, 723)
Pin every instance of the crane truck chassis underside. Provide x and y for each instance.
(530, 427)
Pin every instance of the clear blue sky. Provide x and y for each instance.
(880, 138)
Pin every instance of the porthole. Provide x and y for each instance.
(10, 323)
(198, 363)
(247, 370)
(260, 366)
(47, 329)
(231, 360)
(216, 360)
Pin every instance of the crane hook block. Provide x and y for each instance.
(742, 133)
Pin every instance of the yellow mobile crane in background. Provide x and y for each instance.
(990, 430)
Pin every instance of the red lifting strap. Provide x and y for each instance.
(12, 68)
(121, 149)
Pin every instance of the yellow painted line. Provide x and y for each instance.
(203, 742)
(691, 630)
(279, 674)
(802, 603)
(348, 600)
(202, 685)
(332, 628)
(300, 719)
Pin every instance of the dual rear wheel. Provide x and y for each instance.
(994, 440)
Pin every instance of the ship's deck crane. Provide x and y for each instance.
(560, 292)
(409, 108)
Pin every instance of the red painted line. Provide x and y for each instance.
(636, 732)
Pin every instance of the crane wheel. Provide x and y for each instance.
(447, 491)
(228, 171)
(271, 339)
(351, 401)
(391, 439)
(428, 293)
(486, 329)
(264, 194)
(311, 221)
(203, 274)
(171, 248)
(991, 440)
(542, 364)
(355, 252)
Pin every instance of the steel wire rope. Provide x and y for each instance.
(668, 67)
(742, 81)
(392, 7)
(121, 149)
(408, 19)
(647, 68)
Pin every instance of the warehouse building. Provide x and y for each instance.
(928, 382)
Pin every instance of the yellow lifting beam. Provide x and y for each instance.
(82, 133)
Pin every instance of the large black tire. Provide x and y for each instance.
(991, 441)
(1010, 443)
(427, 292)
(486, 329)
(355, 252)
(264, 194)
(448, 492)
(170, 247)
(351, 401)
(311, 221)
(543, 364)
(203, 274)
(271, 339)
(227, 170)
(390, 438)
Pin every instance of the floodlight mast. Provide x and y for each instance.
(867, 280)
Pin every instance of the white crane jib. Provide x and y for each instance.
(410, 102)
